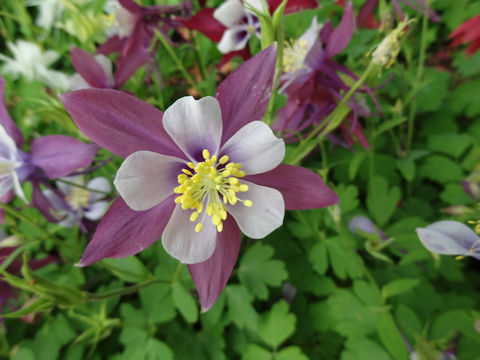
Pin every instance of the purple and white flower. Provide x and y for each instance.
(197, 175)
(73, 203)
(241, 23)
(449, 237)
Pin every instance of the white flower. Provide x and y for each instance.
(49, 11)
(241, 23)
(122, 22)
(29, 61)
(10, 162)
(77, 202)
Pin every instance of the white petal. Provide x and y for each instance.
(100, 184)
(17, 188)
(194, 125)
(255, 147)
(77, 82)
(182, 242)
(234, 39)
(96, 210)
(70, 221)
(106, 65)
(8, 146)
(264, 216)
(146, 178)
(56, 202)
(311, 34)
(229, 12)
(5, 185)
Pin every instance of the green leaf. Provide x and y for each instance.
(390, 337)
(256, 352)
(399, 286)
(291, 353)
(318, 257)
(277, 325)
(343, 261)
(434, 90)
(406, 168)
(462, 101)
(441, 169)
(387, 125)
(128, 269)
(363, 349)
(157, 350)
(257, 270)
(355, 163)
(240, 309)
(348, 195)
(382, 200)
(450, 144)
(157, 302)
(367, 293)
(52, 336)
(184, 302)
(408, 321)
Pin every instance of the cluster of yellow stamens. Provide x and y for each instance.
(208, 186)
(294, 53)
(78, 198)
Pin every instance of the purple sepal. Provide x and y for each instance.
(124, 232)
(211, 276)
(59, 155)
(308, 193)
(365, 11)
(112, 45)
(340, 37)
(40, 201)
(88, 68)
(10, 127)
(119, 122)
(359, 224)
(244, 94)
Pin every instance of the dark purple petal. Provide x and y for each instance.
(119, 122)
(10, 127)
(367, 9)
(59, 155)
(244, 94)
(301, 188)
(293, 5)
(204, 22)
(342, 34)
(43, 204)
(112, 45)
(88, 68)
(124, 232)
(211, 276)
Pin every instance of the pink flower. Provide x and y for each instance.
(182, 179)
(468, 32)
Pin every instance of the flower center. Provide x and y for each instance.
(208, 186)
(78, 198)
(294, 55)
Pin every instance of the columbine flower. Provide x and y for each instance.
(468, 32)
(51, 157)
(313, 85)
(29, 61)
(92, 71)
(199, 177)
(48, 12)
(232, 23)
(449, 237)
(72, 203)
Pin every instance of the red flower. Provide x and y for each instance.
(468, 32)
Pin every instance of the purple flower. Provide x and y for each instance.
(362, 224)
(197, 175)
(449, 237)
(72, 203)
(312, 82)
(92, 71)
(51, 156)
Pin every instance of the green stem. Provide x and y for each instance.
(176, 60)
(333, 121)
(82, 187)
(198, 55)
(418, 79)
(124, 291)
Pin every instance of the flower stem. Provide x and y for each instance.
(124, 291)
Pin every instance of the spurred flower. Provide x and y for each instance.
(449, 237)
(51, 157)
(197, 175)
(468, 32)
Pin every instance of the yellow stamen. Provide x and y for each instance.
(294, 53)
(209, 187)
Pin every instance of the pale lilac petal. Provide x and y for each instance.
(450, 238)
(182, 242)
(234, 39)
(211, 276)
(245, 93)
(255, 147)
(124, 232)
(359, 224)
(301, 188)
(89, 68)
(119, 122)
(17, 187)
(5, 119)
(100, 184)
(194, 125)
(60, 155)
(46, 202)
(145, 179)
(96, 210)
(229, 12)
(342, 34)
(265, 215)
